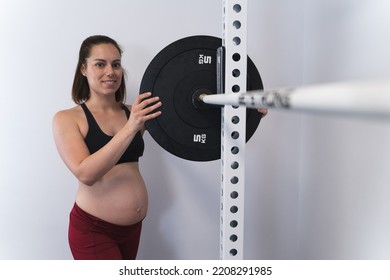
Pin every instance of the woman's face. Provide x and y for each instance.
(103, 70)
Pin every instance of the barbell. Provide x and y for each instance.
(184, 76)
(358, 98)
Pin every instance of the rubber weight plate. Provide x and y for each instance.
(177, 74)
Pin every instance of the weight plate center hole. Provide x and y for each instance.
(197, 102)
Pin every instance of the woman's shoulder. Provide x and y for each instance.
(68, 115)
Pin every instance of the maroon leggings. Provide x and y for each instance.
(91, 238)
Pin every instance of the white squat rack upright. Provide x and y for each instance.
(233, 131)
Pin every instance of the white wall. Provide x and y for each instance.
(315, 185)
(344, 194)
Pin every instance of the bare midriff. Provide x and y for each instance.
(120, 197)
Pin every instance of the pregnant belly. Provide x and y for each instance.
(120, 197)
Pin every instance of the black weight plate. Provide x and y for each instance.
(176, 74)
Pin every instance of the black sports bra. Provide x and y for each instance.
(96, 138)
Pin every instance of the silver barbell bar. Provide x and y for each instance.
(364, 98)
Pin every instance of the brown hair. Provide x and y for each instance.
(80, 88)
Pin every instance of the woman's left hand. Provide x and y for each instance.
(263, 112)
